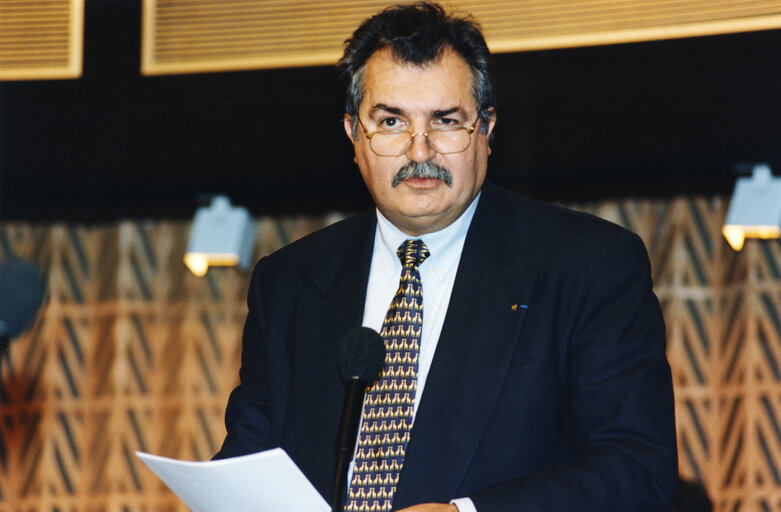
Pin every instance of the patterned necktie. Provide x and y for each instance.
(388, 408)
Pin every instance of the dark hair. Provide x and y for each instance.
(418, 34)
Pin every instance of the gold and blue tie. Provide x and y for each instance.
(389, 405)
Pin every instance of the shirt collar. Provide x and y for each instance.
(444, 245)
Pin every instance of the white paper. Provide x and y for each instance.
(261, 482)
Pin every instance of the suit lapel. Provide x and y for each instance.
(478, 338)
(330, 303)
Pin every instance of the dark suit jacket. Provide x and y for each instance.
(549, 389)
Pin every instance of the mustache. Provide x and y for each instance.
(423, 170)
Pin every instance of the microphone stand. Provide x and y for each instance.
(361, 360)
(345, 444)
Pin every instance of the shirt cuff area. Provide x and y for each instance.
(464, 505)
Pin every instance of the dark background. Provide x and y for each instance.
(644, 120)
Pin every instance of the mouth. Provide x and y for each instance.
(422, 183)
(426, 173)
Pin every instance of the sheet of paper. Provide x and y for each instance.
(261, 482)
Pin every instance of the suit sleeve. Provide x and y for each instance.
(251, 414)
(620, 398)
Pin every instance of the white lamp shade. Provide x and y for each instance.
(221, 235)
(755, 209)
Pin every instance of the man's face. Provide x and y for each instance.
(405, 96)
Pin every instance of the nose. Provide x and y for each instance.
(419, 149)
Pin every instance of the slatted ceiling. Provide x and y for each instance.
(191, 35)
(41, 39)
(564, 24)
(182, 36)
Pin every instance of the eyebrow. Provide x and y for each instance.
(436, 113)
(447, 112)
(387, 108)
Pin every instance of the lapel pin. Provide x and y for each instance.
(516, 307)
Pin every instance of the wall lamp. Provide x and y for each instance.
(221, 235)
(755, 209)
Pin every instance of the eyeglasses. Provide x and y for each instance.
(442, 140)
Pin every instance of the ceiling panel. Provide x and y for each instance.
(182, 36)
(41, 39)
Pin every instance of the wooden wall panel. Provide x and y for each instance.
(131, 352)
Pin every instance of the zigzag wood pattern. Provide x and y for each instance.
(131, 352)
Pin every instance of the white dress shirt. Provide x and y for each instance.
(437, 275)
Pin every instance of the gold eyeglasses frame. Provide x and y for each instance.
(469, 129)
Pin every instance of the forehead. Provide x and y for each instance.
(440, 85)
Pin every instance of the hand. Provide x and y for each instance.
(431, 507)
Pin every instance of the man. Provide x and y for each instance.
(538, 376)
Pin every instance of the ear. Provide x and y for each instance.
(491, 123)
(348, 127)
(490, 130)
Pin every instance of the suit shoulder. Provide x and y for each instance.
(555, 231)
(554, 217)
(318, 245)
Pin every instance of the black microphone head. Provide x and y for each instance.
(21, 293)
(362, 355)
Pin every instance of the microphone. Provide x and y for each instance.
(361, 360)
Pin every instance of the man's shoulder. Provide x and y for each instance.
(328, 241)
(551, 235)
(550, 221)
(555, 238)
